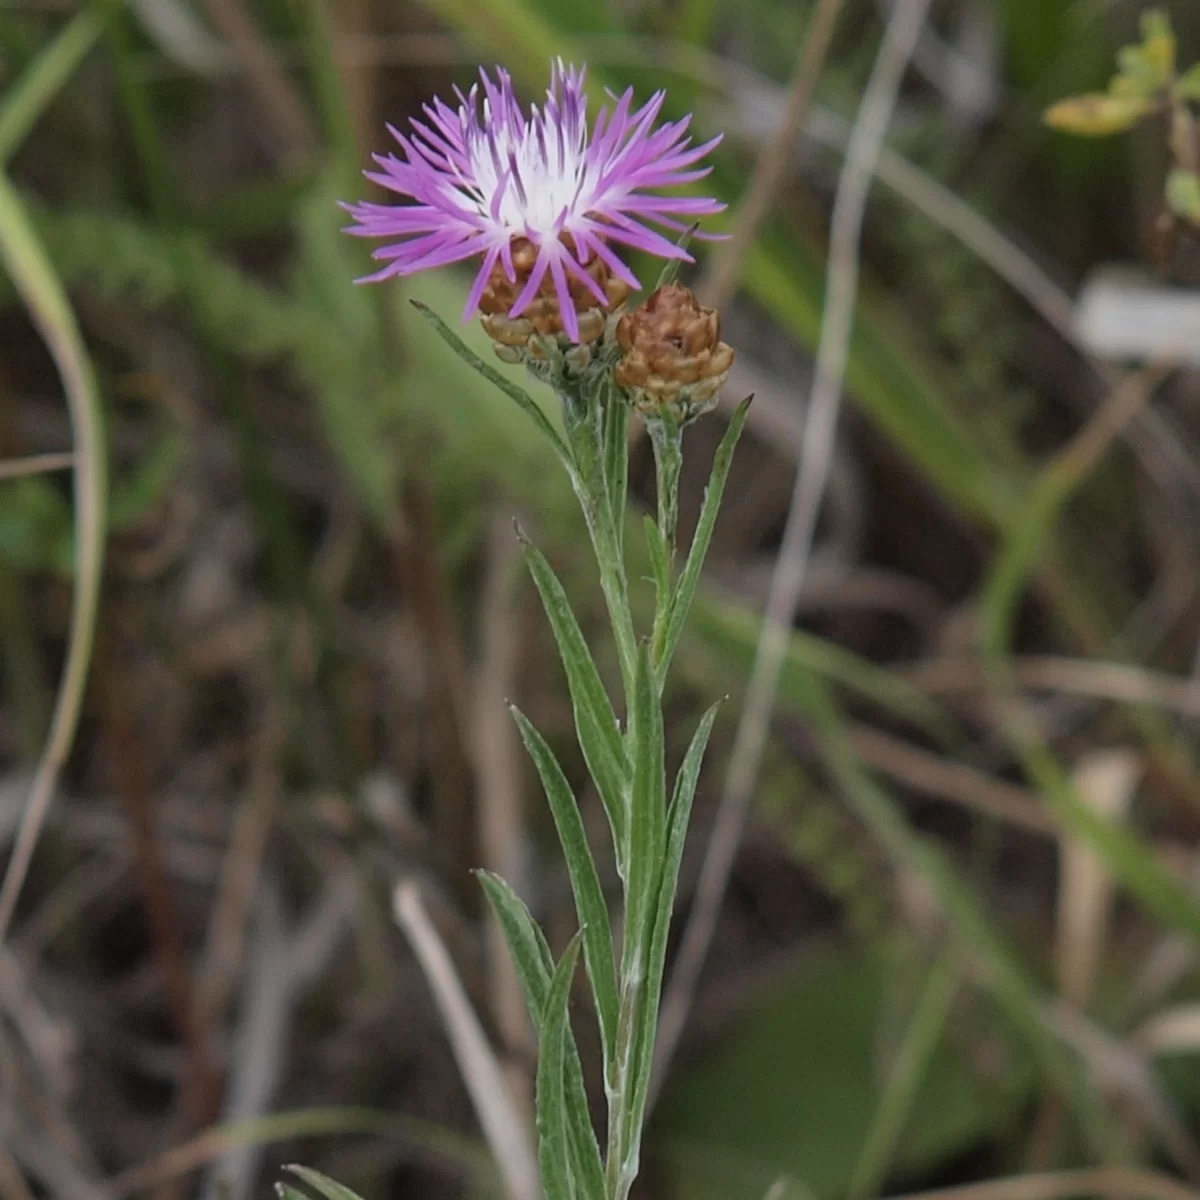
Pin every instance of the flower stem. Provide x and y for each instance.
(584, 419)
(666, 437)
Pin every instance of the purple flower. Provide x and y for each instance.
(484, 175)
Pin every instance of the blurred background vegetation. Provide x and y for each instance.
(958, 944)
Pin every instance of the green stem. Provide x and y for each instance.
(583, 417)
(666, 437)
(617, 1179)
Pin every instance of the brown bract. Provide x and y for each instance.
(674, 355)
(543, 316)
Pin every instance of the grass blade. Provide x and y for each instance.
(911, 1064)
(585, 882)
(43, 295)
(28, 98)
(1000, 969)
(558, 1181)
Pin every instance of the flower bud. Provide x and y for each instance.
(674, 360)
(520, 339)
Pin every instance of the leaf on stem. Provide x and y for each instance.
(510, 389)
(595, 722)
(647, 821)
(670, 268)
(685, 589)
(558, 1180)
(678, 817)
(585, 882)
(535, 969)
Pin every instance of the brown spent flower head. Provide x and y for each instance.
(543, 317)
(674, 358)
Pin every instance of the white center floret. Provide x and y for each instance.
(541, 167)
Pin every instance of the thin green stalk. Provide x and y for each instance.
(583, 420)
(28, 98)
(666, 437)
(912, 1061)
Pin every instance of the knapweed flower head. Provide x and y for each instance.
(674, 362)
(541, 196)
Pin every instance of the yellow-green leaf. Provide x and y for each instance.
(1097, 114)
(1187, 86)
(1183, 195)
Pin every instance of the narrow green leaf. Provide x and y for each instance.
(535, 968)
(678, 817)
(616, 458)
(681, 602)
(585, 882)
(510, 389)
(595, 722)
(321, 1184)
(647, 822)
(28, 98)
(670, 268)
(558, 1180)
(526, 943)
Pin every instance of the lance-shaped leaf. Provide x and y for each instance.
(681, 602)
(647, 822)
(554, 1158)
(595, 722)
(510, 389)
(678, 817)
(535, 967)
(585, 882)
(670, 268)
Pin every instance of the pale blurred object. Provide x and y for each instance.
(1125, 314)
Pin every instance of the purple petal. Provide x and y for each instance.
(481, 281)
(566, 306)
(592, 286)
(530, 289)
